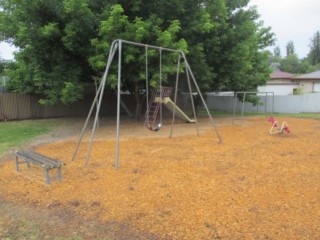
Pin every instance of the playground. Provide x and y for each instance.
(179, 178)
(253, 185)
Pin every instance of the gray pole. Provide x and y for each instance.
(272, 102)
(118, 105)
(175, 94)
(101, 87)
(113, 50)
(192, 103)
(243, 100)
(234, 107)
(86, 123)
(265, 104)
(204, 103)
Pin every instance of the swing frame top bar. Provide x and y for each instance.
(148, 46)
(117, 46)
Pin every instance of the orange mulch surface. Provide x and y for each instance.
(252, 186)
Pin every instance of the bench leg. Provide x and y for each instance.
(21, 162)
(46, 172)
(59, 173)
(17, 164)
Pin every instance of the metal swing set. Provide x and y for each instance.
(158, 95)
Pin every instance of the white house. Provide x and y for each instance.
(284, 83)
(309, 82)
(280, 83)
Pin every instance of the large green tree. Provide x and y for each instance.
(54, 41)
(276, 54)
(64, 42)
(292, 64)
(314, 53)
(5, 65)
(2, 67)
(225, 40)
(240, 63)
(290, 48)
(117, 25)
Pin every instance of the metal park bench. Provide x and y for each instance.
(40, 160)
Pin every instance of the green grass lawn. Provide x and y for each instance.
(15, 134)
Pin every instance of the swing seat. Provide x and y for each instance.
(156, 129)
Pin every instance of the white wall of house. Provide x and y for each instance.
(306, 86)
(316, 87)
(279, 90)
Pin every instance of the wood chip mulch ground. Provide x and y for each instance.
(252, 186)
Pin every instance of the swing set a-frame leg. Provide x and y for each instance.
(97, 99)
(202, 99)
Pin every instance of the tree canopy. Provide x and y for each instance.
(314, 53)
(290, 48)
(63, 43)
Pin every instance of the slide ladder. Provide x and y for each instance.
(154, 106)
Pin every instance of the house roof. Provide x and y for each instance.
(281, 75)
(312, 75)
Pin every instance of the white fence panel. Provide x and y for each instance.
(311, 102)
(307, 103)
(220, 103)
(288, 104)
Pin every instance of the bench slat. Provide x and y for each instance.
(36, 160)
(55, 161)
(40, 159)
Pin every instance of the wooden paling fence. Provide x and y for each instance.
(17, 106)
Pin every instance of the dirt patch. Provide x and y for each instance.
(253, 185)
(54, 222)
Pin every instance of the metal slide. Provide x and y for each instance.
(171, 106)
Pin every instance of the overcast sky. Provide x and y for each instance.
(290, 20)
(6, 51)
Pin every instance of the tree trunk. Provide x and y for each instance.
(126, 109)
(138, 102)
